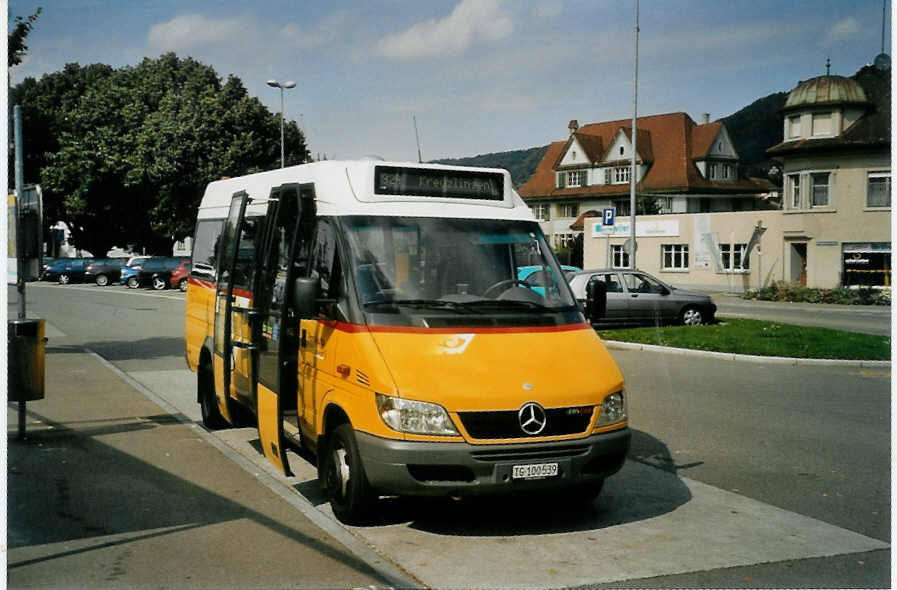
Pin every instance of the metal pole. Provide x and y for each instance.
(20, 241)
(281, 128)
(632, 179)
(20, 184)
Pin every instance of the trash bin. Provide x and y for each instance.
(26, 357)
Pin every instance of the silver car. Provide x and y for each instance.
(635, 297)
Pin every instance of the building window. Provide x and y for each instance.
(794, 190)
(619, 258)
(542, 211)
(622, 207)
(622, 174)
(732, 255)
(564, 240)
(794, 127)
(674, 256)
(569, 210)
(822, 124)
(820, 194)
(878, 190)
(575, 178)
(621, 150)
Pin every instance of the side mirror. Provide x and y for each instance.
(664, 290)
(596, 300)
(304, 300)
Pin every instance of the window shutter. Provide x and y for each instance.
(584, 177)
(562, 176)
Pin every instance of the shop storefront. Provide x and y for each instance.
(866, 264)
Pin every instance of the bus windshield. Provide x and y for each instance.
(464, 266)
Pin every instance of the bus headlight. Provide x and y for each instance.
(613, 410)
(405, 415)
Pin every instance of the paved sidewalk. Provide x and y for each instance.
(104, 492)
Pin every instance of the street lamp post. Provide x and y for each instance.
(285, 85)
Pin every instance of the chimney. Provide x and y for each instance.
(705, 118)
(573, 126)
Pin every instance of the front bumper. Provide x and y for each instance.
(463, 469)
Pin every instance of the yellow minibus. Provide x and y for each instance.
(372, 313)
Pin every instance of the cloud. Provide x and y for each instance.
(190, 31)
(469, 22)
(843, 30)
(549, 9)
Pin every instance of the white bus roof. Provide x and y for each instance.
(347, 188)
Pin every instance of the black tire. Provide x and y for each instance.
(208, 404)
(691, 316)
(102, 280)
(132, 283)
(64, 279)
(351, 497)
(159, 284)
(182, 285)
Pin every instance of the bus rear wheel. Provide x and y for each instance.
(351, 497)
(208, 403)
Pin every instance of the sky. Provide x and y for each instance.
(478, 76)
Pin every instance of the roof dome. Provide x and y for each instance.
(826, 90)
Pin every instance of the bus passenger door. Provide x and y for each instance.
(284, 257)
(243, 310)
(223, 361)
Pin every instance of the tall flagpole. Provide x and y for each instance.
(632, 175)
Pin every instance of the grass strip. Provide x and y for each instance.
(756, 337)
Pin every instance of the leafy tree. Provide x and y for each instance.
(15, 41)
(129, 151)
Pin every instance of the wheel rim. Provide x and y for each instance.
(183, 285)
(158, 283)
(64, 279)
(132, 282)
(339, 472)
(102, 280)
(691, 317)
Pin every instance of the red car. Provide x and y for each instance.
(179, 275)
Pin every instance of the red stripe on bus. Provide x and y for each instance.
(354, 328)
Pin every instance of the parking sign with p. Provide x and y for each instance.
(607, 216)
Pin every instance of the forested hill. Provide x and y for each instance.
(520, 163)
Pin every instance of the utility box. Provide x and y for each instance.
(26, 358)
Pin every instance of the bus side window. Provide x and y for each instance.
(244, 270)
(325, 266)
(205, 248)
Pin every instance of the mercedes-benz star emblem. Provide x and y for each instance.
(532, 418)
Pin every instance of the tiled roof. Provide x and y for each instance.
(668, 142)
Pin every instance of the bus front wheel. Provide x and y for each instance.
(351, 497)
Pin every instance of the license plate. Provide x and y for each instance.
(534, 471)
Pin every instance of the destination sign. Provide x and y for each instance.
(446, 184)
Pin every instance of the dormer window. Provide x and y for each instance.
(822, 124)
(573, 155)
(794, 127)
(621, 150)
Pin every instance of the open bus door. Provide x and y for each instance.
(223, 360)
(284, 258)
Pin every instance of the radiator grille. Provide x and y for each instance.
(506, 423)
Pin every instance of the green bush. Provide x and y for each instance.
(794, 292)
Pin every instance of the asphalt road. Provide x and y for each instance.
(869, 319)
(762, 462)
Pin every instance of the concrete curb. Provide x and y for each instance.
(745, 358)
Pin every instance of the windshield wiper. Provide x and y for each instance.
(504, 304)
(419, 303)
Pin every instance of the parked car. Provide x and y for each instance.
(129, 270)
(67, 270)
(45, 263)
(535, 276)
(104, 270)
(156, 272)
(635, 297)
(180, 275)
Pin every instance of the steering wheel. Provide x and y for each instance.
(505, 283)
